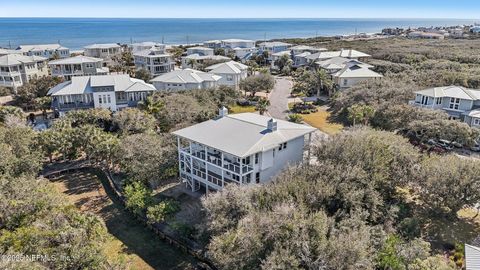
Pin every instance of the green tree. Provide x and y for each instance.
(143, 74)
(6, 111)
(258, 83)
(262, 106)
(295, 118)
(137, 197)
(133, 120)
(360, 113)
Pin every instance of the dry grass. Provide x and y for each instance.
(241, 109)
(129, 241)
(321, 121)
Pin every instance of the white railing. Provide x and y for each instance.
(216, 160)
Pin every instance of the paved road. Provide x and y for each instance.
(279, 97)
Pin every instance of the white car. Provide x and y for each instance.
(447, 145)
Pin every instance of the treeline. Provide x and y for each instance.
(351, 210)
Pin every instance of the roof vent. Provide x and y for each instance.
(223, 111)
(272, 124)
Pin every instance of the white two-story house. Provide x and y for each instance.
(106, 51)
(77, 66)
(231, 73)
(155, 60)
(459, 102)
(242, 48)
(240, 149)
(17, 69)
(185, 79)
(113, 92)
(48, 51)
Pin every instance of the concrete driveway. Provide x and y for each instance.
(279, 97)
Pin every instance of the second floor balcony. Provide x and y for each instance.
(215, 158)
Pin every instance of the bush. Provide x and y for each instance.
(304, 108)
(162, 211)
(5, 91)
(137, 197)
(295, 118)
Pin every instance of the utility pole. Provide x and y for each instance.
(163, 40)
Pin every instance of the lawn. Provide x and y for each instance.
(129, 241)
(241, 109)
(320, 120)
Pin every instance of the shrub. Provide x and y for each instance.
(295, 118)
(162, 211)
(137, 197)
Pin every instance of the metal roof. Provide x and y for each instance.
(18, 59)
(75, 60)
(102, 46)
(231, 67)
(451, 91)
(243, 134)
(186, 76)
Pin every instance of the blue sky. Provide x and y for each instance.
(461, 9)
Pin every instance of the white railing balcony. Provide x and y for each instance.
(216, 159)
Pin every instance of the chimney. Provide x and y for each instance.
(272, 125)
(223, 111)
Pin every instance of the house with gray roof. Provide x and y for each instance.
(45, 50)
(459, 102)
(353, 73)
(105, 51)
(196, 60)
(113, 92)
(350, 54)
(185, 79)
(17, 69)
(155, 60)
(77, 66)
(231, 72)
(239, 149)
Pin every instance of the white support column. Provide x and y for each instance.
(223, 170)
(191, 166)
(309, 147)
(179, 158)
(241, 172)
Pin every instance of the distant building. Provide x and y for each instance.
(45, 50)
(212, 44)
(393, 31)
(17, 69)
(142, 46)
(104, 51)
(475, 29)
(8, 51)
(202, 51)
(77, 66)
(353, 73)
(458, 102)
(155, 60)
(185, 79)
(324, 55)
(425, 35)
(272, 47)
(231, 73)
(240, 149)
(113, 92)
(200, 60)
(241, 48)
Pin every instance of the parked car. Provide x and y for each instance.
(457, 144)
(447, 145)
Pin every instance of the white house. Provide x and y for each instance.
(77, 66)
(45, 50)
(185, 79)
(239, 149)
(231, 72)
(350, 54)
(272, 47)
(113, 92)
(335, 64)
(352, 74)
(242, 48)
(8, 51)
(196, 60)
(202, 51)
(212, 44)
(472, 257)
(147, 45)
(154, 60)
(17, 69)
(459, 102)
(104, 51)
(299, 49)
(277, 56)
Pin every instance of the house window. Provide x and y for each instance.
(89, 65)
(454, 103)
(229, 78)
(257, 177)
(345, 82)
(284, 145)
(109, 100)
(476, 122)
(424, 100)
(100, 99)
(439, 101)
(256, 158)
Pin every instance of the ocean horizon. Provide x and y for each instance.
(75, 33)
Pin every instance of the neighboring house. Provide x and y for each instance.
(239, 149)
(299, 49)
(7, 51)
(17, 69)
(425, 35)
(472, 257)
(185, 79)
(475, 29)
(459, 102)
(273, 47)
(155, 60)
(336, 64)
(104, 51)
(45, 50)
(352, 74)
(202, 51)
(242, 48)
(324, 55)
(113, 92)
(77, 66)
(277, 56)
(197, 60)
(231, 72)
(212, 44)
(142, 46)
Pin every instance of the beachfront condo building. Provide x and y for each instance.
(49, 51)
(155, 60)
(113, 92)
(185, 79)
(107, 52)
(231, 73)
(17, 69)
(77, 66)
(239, 149)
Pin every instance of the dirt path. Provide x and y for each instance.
(279, 98)
(130, 240)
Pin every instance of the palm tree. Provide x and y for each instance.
(192, 62)
(151, 106)
(262, 105)
(323, 82)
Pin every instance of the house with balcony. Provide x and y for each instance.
(77, 66)
(154, 60)
(231, 73)
(202, 51)
(200, 61)
(113, 92)
(241, 48)
(147, 45)
(17, 69)
(212, 44)
(106, 51)
(350, 54)
(48, 51)
(272, 47)
(335, 64)
(240, 149)
(458, 102)
(185, 79)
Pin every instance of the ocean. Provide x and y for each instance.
(75, 33)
